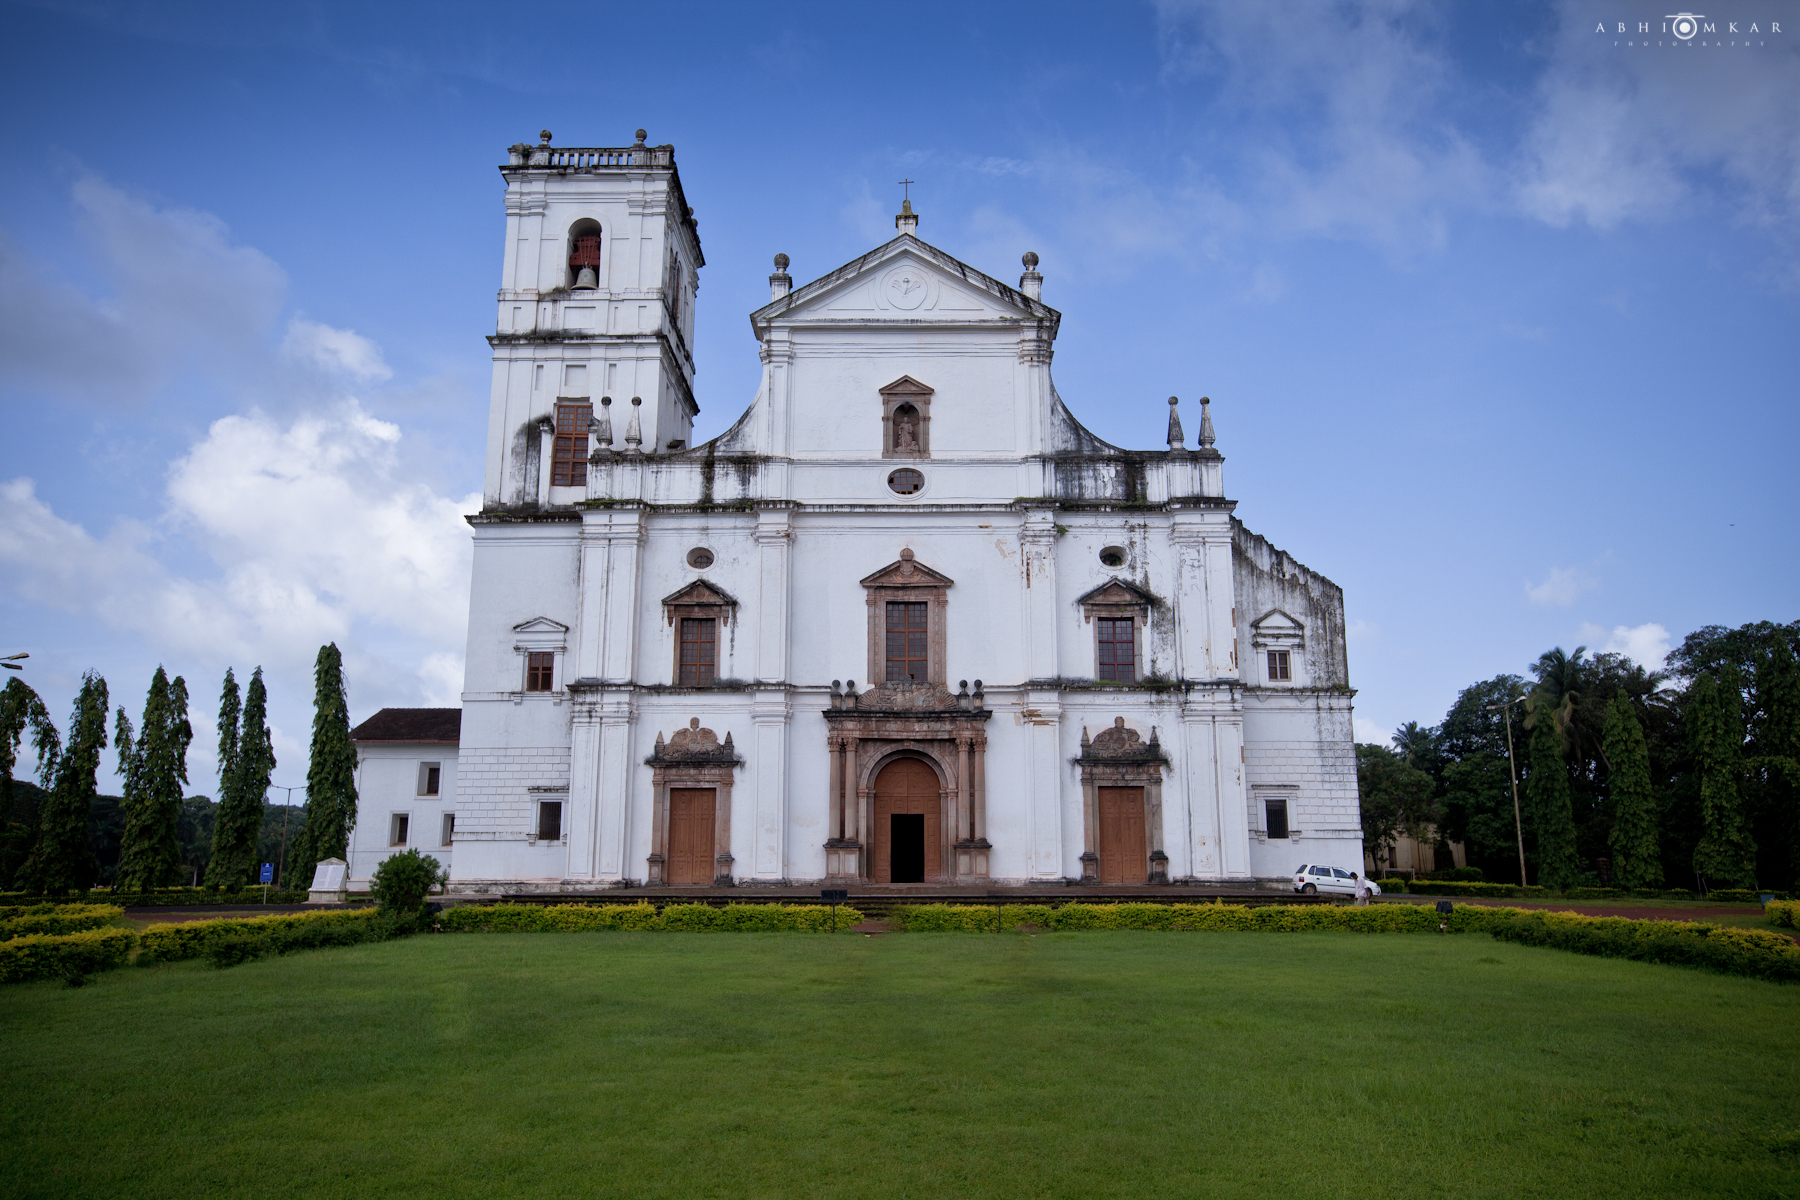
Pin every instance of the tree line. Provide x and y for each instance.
(62, 835)
(1687, 776)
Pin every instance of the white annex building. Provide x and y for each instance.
(906, 621)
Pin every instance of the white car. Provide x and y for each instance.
(1312, 878)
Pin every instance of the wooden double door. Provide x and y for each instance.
(1124, 852)
(909, 824)
(692, 812)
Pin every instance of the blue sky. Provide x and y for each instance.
(1497, 307)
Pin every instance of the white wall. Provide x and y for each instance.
(387, 782)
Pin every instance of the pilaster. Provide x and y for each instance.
(768, 771)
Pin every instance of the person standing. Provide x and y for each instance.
(1362, 889)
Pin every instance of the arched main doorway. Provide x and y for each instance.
(908, 821)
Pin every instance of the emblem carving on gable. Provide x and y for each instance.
(901, 697)
(906, 287)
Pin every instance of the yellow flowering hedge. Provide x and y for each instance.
(1754, 952)
(171, 942)
(1785, 913)
(65, 956)
(58, 918)
(1271, 918)
(685, 918)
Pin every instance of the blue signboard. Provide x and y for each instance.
(268, 873)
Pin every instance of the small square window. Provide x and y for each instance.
(1279, 669)
(1276, 811)
(540, 668)
(430, 775)
(549, 820)
(397, 829)
(449, 829)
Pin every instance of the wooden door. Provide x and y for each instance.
(691, 836)
(1124, 855)
(907, 787)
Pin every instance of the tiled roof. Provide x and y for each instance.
(411, 725)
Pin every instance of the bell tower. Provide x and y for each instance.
(593, 342)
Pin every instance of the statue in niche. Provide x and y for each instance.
(906, 429)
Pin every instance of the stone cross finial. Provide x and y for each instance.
(1176, 437)
(907, 221)
(1206, 429)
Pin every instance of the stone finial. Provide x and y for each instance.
(659, 743)
(729, 748)
(1031, 283)
(693, 722)
(602, 432)
(543, 137)
(907, 221)
(1176, 437)
(1085, 740)
(782, 261)
(634, 436)
(906, 555)
(780, 283)
(1206, 428)
(641, 135)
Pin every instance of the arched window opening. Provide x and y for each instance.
(584, 255)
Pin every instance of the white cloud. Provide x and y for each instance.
(1623, 136)
(1369, 733)
(1647, 644)
(335, 350)
(1562, 587)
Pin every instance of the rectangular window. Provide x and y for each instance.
(1279, 671)
(1277, 825)
(569, 466)
(397, 829)
(449, 829)
(429, 776)
(549, 820)
(1118, 649)
(907, 627)
(540, 666)
(699, 651)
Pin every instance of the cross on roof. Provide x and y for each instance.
(907, 184)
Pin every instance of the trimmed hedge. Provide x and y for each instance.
(64, 956)
(1752, 952)
(1785, 913)
(59, 919)
(683, 918)
(165, 897)
(1427, 887)
(239, 938)
(1271, 918)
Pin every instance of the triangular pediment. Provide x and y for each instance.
(700, 592)
(905, 280)
(907, 571)
(1276, 621)
(906, 385)
(1118, 592)
(540, 625)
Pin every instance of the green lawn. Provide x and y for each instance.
(921, 1065)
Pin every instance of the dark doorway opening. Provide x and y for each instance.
(907, 841)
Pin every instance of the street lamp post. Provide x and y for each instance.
(286, 807)
(1513, 770)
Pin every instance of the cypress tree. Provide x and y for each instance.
(1552, 811)
(331, 773)
(1636, 849)
(154, 771)
(1726, 854)
(242, 786)
(62, 859)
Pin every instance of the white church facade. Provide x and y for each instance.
(906, 621)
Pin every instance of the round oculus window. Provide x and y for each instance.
(1112, 556)
(700, 558)
(905, 481)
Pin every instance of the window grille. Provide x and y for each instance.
(1118, 649)
(569, 466)
(540, 667)
(907, 627)
(699, 651)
